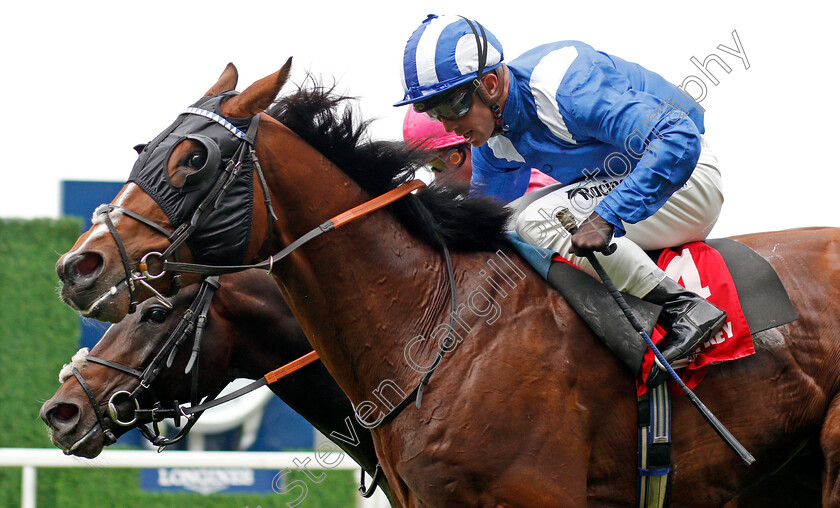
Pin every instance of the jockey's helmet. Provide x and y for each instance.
(444, 53)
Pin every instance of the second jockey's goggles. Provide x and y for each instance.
(449, 106)
(451, 159)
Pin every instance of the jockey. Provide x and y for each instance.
(626, 145)
(453, 151)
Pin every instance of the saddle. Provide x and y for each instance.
(763, 300)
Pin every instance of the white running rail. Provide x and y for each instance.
(31, 458)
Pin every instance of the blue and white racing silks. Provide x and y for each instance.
(577, 113)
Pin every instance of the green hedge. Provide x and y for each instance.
(38, 334)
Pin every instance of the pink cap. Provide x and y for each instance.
(419, 129)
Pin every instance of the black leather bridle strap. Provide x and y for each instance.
(268, 264)
(139, 218)
(212, 285)
(377, 475)
(269, 210)
(114, 365)
(104, 211)
(106, 218)
(417, 393)
(178, 336)
(106, 430)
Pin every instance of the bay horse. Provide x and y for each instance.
(527, 408)
(250, 331)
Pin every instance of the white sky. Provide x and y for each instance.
(83, 82)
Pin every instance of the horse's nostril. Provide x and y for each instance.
(63, 412)
(87, 263)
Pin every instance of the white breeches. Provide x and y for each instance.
(687, 216)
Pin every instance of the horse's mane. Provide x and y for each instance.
(327, 122)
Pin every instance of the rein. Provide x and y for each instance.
(200, 308)
(268, 264)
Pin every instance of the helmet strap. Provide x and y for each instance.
(498, 116)
(481, 46)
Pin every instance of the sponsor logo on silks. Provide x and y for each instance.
(592, 190)
(207, 481)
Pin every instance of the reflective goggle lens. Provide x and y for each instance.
(451, 159)
(453, 107)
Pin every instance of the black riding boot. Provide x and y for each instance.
(688, 320)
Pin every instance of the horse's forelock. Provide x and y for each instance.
(77, 362)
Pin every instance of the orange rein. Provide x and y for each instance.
(376, 203)
(332, 224)
(277, 374)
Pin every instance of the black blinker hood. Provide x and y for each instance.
(224, 230)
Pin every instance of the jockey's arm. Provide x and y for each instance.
(667, 141)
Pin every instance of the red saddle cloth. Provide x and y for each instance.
(701, 269)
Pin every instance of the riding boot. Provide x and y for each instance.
(688, 320)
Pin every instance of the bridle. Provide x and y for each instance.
(132, 276)
(191, 324)
(246, 148)
(245, 152)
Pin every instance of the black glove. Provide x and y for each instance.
(593, 235)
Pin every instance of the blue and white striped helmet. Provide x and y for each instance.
(444, 53)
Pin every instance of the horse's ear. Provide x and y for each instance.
(258, 96)
(227, 81)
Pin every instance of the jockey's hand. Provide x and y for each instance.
(593, 235)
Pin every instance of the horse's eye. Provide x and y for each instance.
(197, 160)
(155, 315)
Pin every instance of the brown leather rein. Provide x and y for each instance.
(268, 264)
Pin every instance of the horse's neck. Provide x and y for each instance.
(260, 331)
(361, 292)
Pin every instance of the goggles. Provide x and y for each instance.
(450, 107)
(451, 159)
